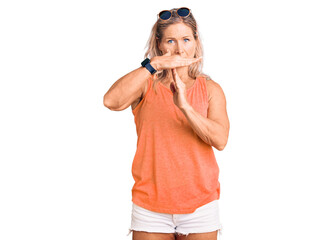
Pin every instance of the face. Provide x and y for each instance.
(179, 39)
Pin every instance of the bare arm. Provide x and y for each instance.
(130, 87)
(126, 90)
(214, 130)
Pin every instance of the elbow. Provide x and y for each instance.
(220, 148)
(225, 140)
(107, 103)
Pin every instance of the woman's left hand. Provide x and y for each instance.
(178, 89)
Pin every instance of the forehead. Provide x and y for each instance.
(177, 30)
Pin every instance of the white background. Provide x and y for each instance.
(65, 170)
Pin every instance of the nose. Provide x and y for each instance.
(179, 48)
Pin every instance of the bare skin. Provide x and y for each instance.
(128, 89)
(139, 235)
(177, 40)
(209, 83)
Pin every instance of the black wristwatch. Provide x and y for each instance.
(146, 63)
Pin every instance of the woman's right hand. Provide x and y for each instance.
(168, 61)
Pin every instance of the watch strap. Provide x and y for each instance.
(146, 63)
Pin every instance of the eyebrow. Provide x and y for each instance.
(174, 38)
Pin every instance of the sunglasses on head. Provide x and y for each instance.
(181, 12)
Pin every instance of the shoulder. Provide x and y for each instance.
(213, 88)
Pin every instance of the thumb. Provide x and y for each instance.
(174, 74)
(172, 87)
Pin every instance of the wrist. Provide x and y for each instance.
(185, 107)
(147, 64)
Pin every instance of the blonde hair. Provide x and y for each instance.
(156, 35)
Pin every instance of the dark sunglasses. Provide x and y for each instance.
(182, 12)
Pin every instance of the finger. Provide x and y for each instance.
(173, 70)
(196, 59)
(174, 73)
(175, 76)
(173, 83)
(187, 62)
(178, 81)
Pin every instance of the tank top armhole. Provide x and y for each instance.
(150, 81)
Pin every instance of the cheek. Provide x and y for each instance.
(164, 47)
(191, 48)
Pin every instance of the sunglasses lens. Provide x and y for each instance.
(165, 15)
(183, 12)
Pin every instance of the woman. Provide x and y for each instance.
(180, 114)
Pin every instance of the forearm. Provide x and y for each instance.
(126, 87)
(208, 130)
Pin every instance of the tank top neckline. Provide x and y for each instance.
(196, 80)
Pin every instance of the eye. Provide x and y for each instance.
(169, 41)
(186, 39)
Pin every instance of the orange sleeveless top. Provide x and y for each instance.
(174, 170)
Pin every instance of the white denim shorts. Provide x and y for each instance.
(204, 219)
